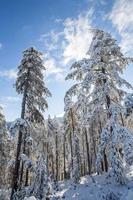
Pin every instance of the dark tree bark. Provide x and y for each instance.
(27, 170)
(22, 166)
(84, 166)
(88, 151)
(71, 147)
(19, 144)
(57, 156)
(17, 162)
(64, 154)
(93, 141)
(71, 135)
(105, 161)
(47, 159)
(52, 160)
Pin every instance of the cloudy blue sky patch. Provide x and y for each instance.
(61, 30)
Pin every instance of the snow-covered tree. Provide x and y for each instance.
(128, 114)
(99, 78)
(57, 146)
(30, 84)
(54, 146)
(128, 104)
(4, 151)
(71, 125)
(50, 147)
(39, 187)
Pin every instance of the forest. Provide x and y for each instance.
(92, 142)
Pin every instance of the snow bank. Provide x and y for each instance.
(98, 187)
(30, 198)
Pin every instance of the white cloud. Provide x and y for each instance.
(11, 74)
(58, 20)
(69, 44)
(11, 105)
(60, 114)
(51, 62)
(9, 99)
(60, 77)
(50, 39)
(77, 36)
(12, 99)
(122, 18)
(51, 68)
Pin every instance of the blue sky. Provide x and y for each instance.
(61, 30)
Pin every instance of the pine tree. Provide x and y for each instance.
(100, 81)
(30, 84)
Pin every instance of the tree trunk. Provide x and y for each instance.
(52, 160)
(84, 169)
(19, 144)
(88, 152)
(27, 170)
(64, 154)
(22, 167)
(94, 145)
(109, 115)
(76, 148)
(56, 143)
(17, 165)
(17, 162)
(47, 159)
(71, 136)
(104, 156)
(105, 162)
(71, 147)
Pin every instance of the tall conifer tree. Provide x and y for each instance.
(30, 85)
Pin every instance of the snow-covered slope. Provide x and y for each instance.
(95, 188)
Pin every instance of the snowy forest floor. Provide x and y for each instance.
(100, 189)
(95, 187)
